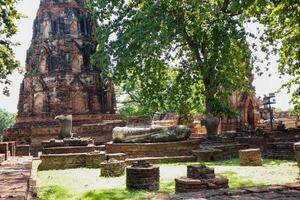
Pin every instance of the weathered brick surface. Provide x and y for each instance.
(112, 168)
(289, 191)
(71, 149)
(135, 150)
(199, 177)
(208, 154)
(8, 149)
(250, 157)
(184, 184)
(16, 179)
(74, 160)
(22, 150)
(142, 176)
(116, 156)
(60, 78)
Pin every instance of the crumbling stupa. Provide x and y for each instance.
(60, 78)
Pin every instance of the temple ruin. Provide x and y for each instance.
(60, 78)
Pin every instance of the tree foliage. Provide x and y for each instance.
(175, 54)
(6, 120)
(282, 35)
(8, 63)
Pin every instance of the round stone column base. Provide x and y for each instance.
(185, 185)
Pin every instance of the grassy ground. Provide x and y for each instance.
(86, 183)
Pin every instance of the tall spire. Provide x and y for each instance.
(60, 78)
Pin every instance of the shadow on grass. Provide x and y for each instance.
(240, 181)
(54, 192)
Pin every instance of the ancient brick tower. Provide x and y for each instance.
(60, 78)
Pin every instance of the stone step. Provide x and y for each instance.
(158, 160)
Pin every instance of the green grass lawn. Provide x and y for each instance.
(86, 184)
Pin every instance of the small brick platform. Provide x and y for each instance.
(16, 179)
(142, 176)
(72, 160)
(112, 168)
(199, 177)
(250, 157)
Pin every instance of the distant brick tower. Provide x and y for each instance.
(60, 78)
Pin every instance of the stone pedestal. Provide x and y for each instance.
(297, 152)
(142, 176)
(112, 168)
(199, 177)
(250, 157)
(207, 154)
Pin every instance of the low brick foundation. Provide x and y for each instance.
(184, 184)
(142, 176)
(280, 150)
(250, 157)
(208, 154)
(71, 149)
(199, 177)
(138, 150)
(66, 161)
(112, 168)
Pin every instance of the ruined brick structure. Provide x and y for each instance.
(247, 106)
(60, 78)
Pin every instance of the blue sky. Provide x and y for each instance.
(263, 84)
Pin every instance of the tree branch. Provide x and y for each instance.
(225, 5)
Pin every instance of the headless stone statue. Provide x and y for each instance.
(211, 123)
(65, 122)
(150, 134)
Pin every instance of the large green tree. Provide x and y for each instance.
(281, 20)
(169, 51)
(6, 120)
(8, 63)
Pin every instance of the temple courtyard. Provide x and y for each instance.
(86, 183)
